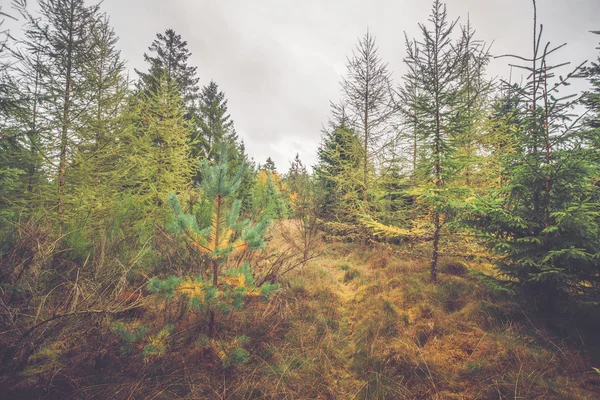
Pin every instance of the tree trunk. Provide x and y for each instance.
(366, 161)
(548, 178)
(436, 245)
(62, 167)
(215, 266)
(33, 136)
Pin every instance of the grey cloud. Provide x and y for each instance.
(279, 61)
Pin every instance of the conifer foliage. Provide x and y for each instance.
(169, 55)
(545, 220)
(158, 159)
(218, 288)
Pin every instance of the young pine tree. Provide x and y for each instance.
(218, 288)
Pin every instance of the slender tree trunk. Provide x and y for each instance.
(414, 155)
(215, 266)
(438, 174)
(159, 169)
(366, 161)
(534, 89)
(548, 179)
(436, 247)
(62, 167)
(436, 216)
(33, 138)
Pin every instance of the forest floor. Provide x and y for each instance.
(353, 323)
(385, 332)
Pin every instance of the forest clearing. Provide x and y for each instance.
(443, 243)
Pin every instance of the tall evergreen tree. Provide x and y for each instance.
(366, 90)
(169, 55)
(32, 68)
(98, 165)
(215, 123)
(434, 70)
(157, 146)
(545, 220)
(340, 174)
(474, 89)
(66, 33)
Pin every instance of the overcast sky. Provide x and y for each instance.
(279, 62)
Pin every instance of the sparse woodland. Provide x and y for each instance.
(446, 245)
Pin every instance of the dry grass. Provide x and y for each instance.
(351, 324)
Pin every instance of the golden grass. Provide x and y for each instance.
(387, 333)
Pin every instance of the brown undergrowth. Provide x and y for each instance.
(351, 324)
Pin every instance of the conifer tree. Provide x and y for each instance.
(32, 68)
(591, 98)
(269, 195)
(239, 158)
(339, 173)
(297, 178)
(268, 166)
(66, 34)
(472, 99)
(225, 236)
(300, 189)
(366, 90)
(6, 95)
(545, 220)
(410, 108)
(215, 123)
(98, 166)
(501, 137)
(434, 69)
(10, 167)
(157, 146)
(169, 55)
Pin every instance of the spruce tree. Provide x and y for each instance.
(339, 173)
(410, 108)
(11, 167)
(66, 34)
(269, 195)
(169, 55)
(98, 165)
(298, 186)
(32, 68)
(545, 220)
(434, 71)
(268, 166)
(214, 122)
(297, 178)
(157, 147)
(591, 98)
(474, 89)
